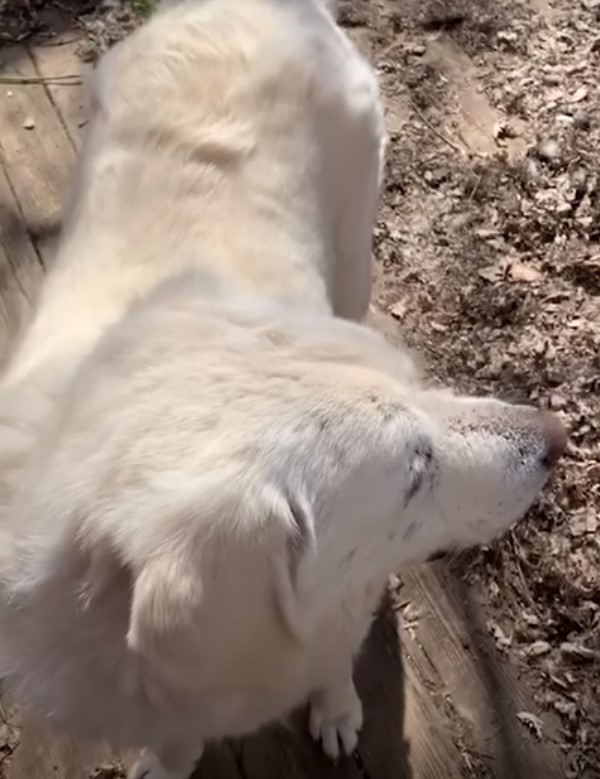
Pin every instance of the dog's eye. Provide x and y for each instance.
(425, 455)
(419, 470)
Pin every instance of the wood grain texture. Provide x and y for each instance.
(452, 649)
(35, 148)
(20, 269)
(54, 61)
(40, 756)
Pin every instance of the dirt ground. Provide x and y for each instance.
(488, 263)
(488, 254)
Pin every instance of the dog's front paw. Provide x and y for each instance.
(336, 718)
(148, 766)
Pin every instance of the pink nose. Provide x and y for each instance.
(556, 438)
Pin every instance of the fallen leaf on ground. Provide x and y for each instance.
(398, 309)
(579, 95)
(557, 402)
(502, 640)
(532, 723)
(567, 709)
(491, 273)
(537, 649)
(579, 652)
(520, 272)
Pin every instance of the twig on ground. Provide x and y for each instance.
(67, 80)
(519, 558)
(435, 131)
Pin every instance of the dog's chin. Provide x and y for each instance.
(484, 539)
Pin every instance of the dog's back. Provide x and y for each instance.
(201, 154)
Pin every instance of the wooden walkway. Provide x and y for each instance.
(439, 703)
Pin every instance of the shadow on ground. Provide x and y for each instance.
(289, 753)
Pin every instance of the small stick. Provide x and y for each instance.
(434, 130)
(68, 81)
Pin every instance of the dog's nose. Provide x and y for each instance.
(556, 438)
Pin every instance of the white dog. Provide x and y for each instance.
(206, 476)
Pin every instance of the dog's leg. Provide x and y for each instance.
(168, 762)
(336, 717)
(359, 170)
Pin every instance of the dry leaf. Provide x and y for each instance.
(537, 649)
(557, 402)
(533, 723)
(526, 273)
(562, 683)
(582, 523)
(568, 710)
(531, 619)
(549, 150)
(486, 233)
(499, 130)
(502, 640)
(398, 309)
(438, 327)
(491, 273)
(502, 130)
(578, 652)
(592, 472)
(579, 95)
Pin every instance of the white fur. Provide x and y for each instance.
(207, 471)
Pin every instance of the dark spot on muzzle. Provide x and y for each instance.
(436, 556)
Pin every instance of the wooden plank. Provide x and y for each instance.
(34, 170)
(40, 756)
(38, 161)
(218, 762)
(381, 683)
(403, 737)
(289, 753)
(20, 269)
(450, 645)
(432, 755)
(57, 60)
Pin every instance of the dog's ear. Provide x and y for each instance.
(255, 556)
(291, 562)
(165, 608)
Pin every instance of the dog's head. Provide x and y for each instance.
(294, 444)
(488, 461)
(324, 411)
